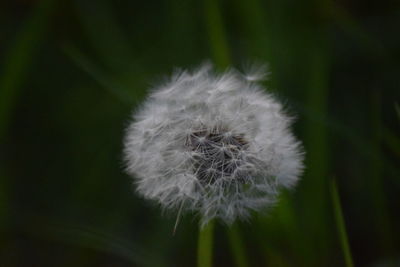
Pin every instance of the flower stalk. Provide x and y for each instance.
(205, 245)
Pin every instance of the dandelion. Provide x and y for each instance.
(218, 145)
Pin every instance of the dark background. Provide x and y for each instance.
(72, 71)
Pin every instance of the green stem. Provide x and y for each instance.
(205, 245)
(222, 58)
(340, 224)
(237, 248)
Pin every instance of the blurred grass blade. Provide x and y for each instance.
(355, 139)
(236, 244)
(314, 187)
(253, 18)
(98, 75)
(87, 237)
(16, 64)
(340, 224)
(376, 168)
(19, 58)
(373, 46)
(105, 34)
(392, 141)
(205, 245)
(216, 34)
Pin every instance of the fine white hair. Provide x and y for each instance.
(215, 144)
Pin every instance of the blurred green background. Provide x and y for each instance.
(72, 71)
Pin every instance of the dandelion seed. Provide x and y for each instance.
(218, 145)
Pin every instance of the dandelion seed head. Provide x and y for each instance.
(214, 144)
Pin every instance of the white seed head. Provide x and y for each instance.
(218, 145)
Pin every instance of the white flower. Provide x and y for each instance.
(218, 145)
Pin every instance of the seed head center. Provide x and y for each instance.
(218, 154)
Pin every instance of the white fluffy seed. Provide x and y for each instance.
(215, 144)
